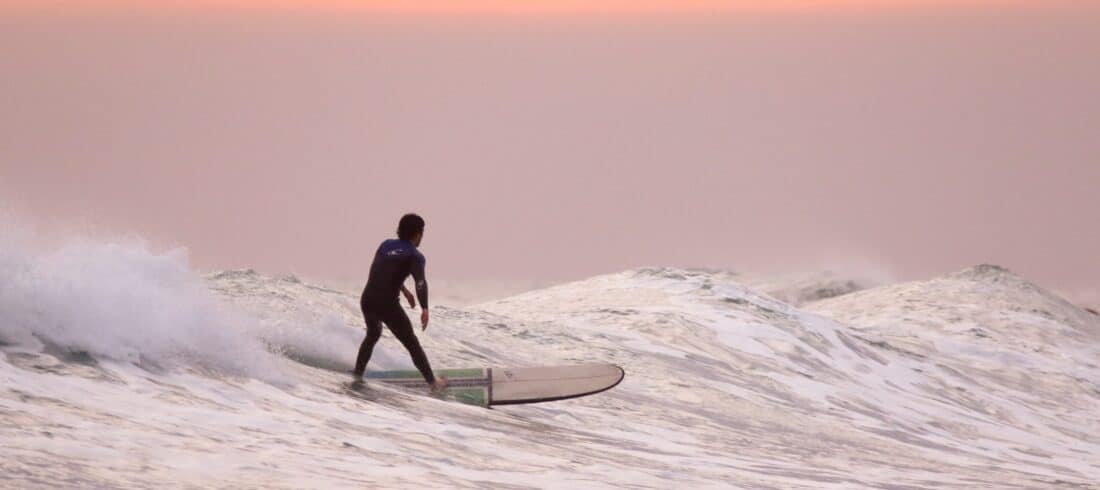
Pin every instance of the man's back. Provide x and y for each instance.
(393, 262)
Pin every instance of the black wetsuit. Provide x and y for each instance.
(393, 262)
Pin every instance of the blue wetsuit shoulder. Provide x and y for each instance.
(393, 262)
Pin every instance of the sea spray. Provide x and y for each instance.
(120, 300)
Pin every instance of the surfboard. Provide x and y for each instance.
(489, 387)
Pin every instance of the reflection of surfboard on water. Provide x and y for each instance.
(510, 386)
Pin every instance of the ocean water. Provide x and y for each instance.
(124, 367)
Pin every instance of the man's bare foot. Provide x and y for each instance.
(439, 385)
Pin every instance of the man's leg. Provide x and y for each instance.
(399, 324)
(374, 332)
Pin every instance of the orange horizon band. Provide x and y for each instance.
(512, 7)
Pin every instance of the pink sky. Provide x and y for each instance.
(560, 147)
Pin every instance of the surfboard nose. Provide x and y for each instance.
(543, 384)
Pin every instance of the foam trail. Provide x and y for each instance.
(326, 343)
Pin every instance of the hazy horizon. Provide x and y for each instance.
(542, 149)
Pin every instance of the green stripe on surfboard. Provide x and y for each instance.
(415, 375)
(470, 396)
(468, 386)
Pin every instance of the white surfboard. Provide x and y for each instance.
(510, 386)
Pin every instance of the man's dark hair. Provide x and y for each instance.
(411, 224)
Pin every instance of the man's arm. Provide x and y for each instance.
(420, 281)
(421, 288)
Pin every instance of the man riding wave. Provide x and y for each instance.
(393, 262)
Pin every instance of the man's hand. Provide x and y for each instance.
(423, 319)
(409, 297)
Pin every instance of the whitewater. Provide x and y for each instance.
(125, 367)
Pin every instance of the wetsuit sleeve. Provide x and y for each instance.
(419, 263)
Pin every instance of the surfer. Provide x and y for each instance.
(393, 262)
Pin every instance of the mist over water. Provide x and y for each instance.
(120, 300)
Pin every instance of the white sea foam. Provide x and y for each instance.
(120, 300)
(973, 379)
